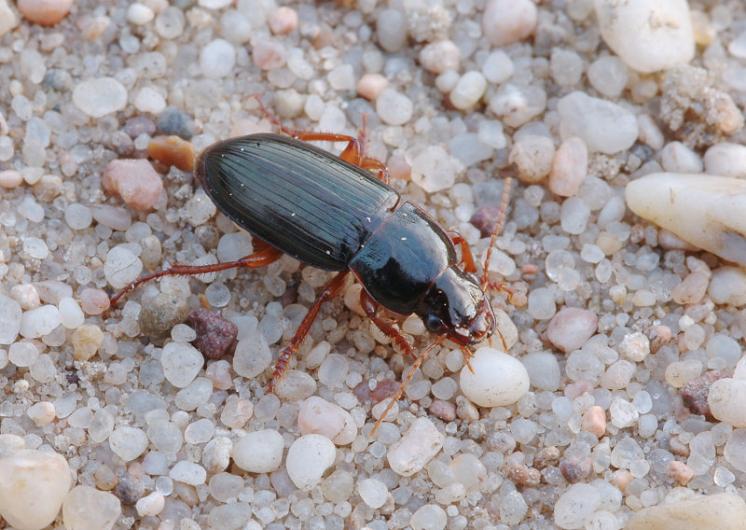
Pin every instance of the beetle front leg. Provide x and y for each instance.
(330, 290)
(370, 307)
(467, 258)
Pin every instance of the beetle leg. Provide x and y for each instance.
(501, 217)
(370, 307)
(467, 258)
(330, 290)
(380, 167)
(257, 259)
(421, 358)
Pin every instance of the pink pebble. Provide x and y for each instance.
(569, 167)
(44, 12)
(135, 181)
(268, 54)
(94, 301)
(10, 179)
(445, 410)
(370, 85)
(571, 327)
(283, 21)
(594, 421)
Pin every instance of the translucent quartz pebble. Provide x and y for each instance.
(707, 211)
(724, 511)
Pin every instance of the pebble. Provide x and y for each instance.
(10, 319)
(724, 511)
(498, 379)
(703, 210)
(679, 158)
(575, 506)
(283, 21)
(608, 75)
(725, 400)
(727, 286)
(373, 492)
(571, 327)
(86, 508)
(33, 485)
(100, 96)
(181, 363)
(663, 32)
(695, 392)
(417, 447)
(128, 443)
(594, 421)
(259, 451)
(41, 413)
(172, 151)
(603, 126)
(434, 169)
(44, 12)
(635, 346)
(393, 107)
(10, 179)
(308, 459)
(39, 322)
(121, 267)
(469, 90)
(161, 314)
(429, 517)
(569, 167)
(726, 160)
(150, 505)
(86, 341)
(543, 370)
(441, 56)
(370, 86)
(135, 181)
(498, 67)
(139, 14)
(174, 121)
(533, 156)
(318, 416)
(8, 19)
(217, 59)
(216, 336)
(508, 21)
(391, 29)
(188, 473)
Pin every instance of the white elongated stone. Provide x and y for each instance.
(706, 211)
(10, 319)
(319, 416)
(33, 485)
(259, 451)
(724, 511)
(308, 458)
(662, 30)
(418, 446)
(86, 508)
(497, 380)
(726, 398)
(603, 126)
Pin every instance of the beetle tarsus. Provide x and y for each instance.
(371, 311)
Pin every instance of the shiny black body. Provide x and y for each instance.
(333, 215)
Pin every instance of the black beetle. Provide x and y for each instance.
(333, 213)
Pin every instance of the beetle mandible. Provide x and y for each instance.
(333, 213)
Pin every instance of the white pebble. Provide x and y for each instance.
(603, 126)
(726, 398)
(128, 442)
(217, 59)
(148, 99)
(569, 167)
(469, 90)
(86, 508)
(497, 67)
(391, 28)
(608, 75)
(181, 363)
(139, 14)
(429, 517)
(71, 315)
(498, 379)
(727, 286)
(10, 319)
(508, 21)
(318, 416)
(433, 169)
(438, 57)
(571, 328)
(373, 492)
(575, 506)
(121, 267)
(40, 321)
(679, 158)
(393, 107)
(41, 413)
(308, 459)
(724, 511)
(188, 473)
(259, 451)
(150, 505)
(726, 159)
(99, 97)
(417, 447)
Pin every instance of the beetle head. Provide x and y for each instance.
(456, 306)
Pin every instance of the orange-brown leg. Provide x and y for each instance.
(370, 307)
(499, 225)
(330, 290)
(467, 258)
(260, 258)
(380, 168)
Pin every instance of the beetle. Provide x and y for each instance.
(338, 213)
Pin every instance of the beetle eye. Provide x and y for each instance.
(434, 324)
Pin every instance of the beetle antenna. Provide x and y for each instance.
(502, 215)
(421, 358)
(362, 136)
(468, 354)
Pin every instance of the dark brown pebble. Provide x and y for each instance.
(694, 393)
(216, 336)
(484, 218)
(575, 470)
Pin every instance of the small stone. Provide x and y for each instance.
(571, 327)
(99, 97)
(161, 314)
(469, 90)
(94, 301)
(86, 341)
(434, 169)
(217, 59)
(594, 421)
(71, 315)
(139, 14)
(575, 506)
(308, 459)
(603, 126)
(318, 416)
(259, 451)
(44, 12)
(569, 167)
(393, 107)
(635, 346)
(692, 289)
(498, 67)
(445, 410)
(695, 392)
(172, 151)
(727, 286)
(663, 32)
(10, 179)
(417, 447)
(181, 363)
(441, 56)
(703, 210)
(40, 321)
(429, 517)
(188, 473)
(498, 379)
(726, 159)
(608, 75)
(373, 492)
(41, 413)
(391, 29)
(215, 335)
(10, 319)
(268, 54)
(252, 356)
(150, 505)
(33, 485)
(135, 181)
(508, 21)
(174, 121)
(724, 511)
(533, 156)
(8, 19)
(370, 86)
(679, 158)
(680, 472)
(128, 442)
(725, 400)
(283, 21)
(87, 508)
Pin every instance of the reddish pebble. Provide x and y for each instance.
(594, 421)
(283, 21)
(694, 393)
(94, 301)
(215, 335)
(44, 12)
(575, 470)
(172, 151)
(445, 410)
(680, 472)
(371, 85)
(10, 179)
(485, 218)
(383, 390)
(135, 181)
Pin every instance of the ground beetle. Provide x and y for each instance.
(335, 214)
